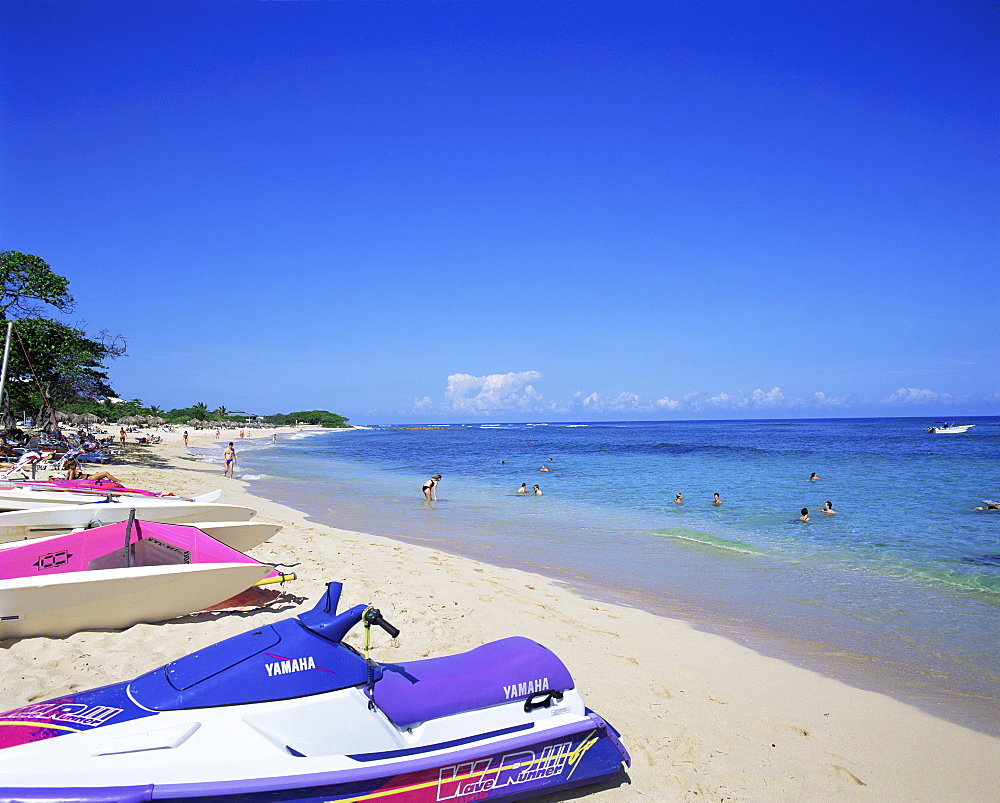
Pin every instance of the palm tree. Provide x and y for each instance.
(200, 410)
(222, 411)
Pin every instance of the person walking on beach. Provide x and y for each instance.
(523, 489)
(185, 437)
(121, 435)
(805, 514)
(430, 488)
(229, 456)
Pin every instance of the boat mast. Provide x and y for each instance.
(3, 368)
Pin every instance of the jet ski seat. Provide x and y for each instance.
(510, 669)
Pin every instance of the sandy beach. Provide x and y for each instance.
(703, 717)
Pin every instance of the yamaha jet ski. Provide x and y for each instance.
(288, 712)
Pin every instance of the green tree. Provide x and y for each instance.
(324, 417)
(46, 356)
(26, 281)
(200, 410)
(59, 361)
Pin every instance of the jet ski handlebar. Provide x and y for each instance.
(372, 616)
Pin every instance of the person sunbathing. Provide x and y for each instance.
(73, 472)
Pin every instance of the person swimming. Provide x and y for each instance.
(805, 514)
(538, 491)
(717, 500)
(523, 489)
(678, 499)
(828, 508)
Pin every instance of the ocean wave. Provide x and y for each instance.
(704, 539)
(989, 583)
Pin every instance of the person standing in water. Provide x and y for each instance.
(828, 508)
(229, 456)
(523, 489)
(717, 500)
(805, 514)
(430, 488)
(678, 499)
(538, 491)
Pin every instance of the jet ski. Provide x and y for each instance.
(289, 712)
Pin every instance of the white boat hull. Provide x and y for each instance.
(240, 535)
(58, 519)
(112, 599)
(27, 498)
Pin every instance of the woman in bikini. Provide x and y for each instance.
(430, 488)
(73, 472)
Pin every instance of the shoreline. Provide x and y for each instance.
(701, 715)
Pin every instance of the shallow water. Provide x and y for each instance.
(898, 591)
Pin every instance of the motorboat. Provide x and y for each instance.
(948, 428)
(17, 525)
(289, 712)
(116, 576)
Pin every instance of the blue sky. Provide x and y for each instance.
(419, 211)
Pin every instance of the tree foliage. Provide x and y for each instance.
(324, 417)
(46, 356)
(58, 360)
(26, 281)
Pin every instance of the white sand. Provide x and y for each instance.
(703, 717)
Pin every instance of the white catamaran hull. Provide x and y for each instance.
(102, 599)
(25, 498)
(58, 519)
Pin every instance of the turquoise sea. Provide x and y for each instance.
(899, 591)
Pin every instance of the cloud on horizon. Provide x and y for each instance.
(466, 393)
(516, 392)
(920, 396)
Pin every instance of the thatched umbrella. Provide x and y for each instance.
(156, 420)
(89, 418)
(62, 417)
(128, 420)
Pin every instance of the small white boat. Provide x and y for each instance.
(116, 576)
(18, 525)
(948, 428)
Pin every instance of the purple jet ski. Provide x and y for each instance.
(289, 712)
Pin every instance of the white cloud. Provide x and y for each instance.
(917, 396)
(724, 400)
(422, 404)
(484, 394)
(770, 398)
(820, 399)
(626, 400)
